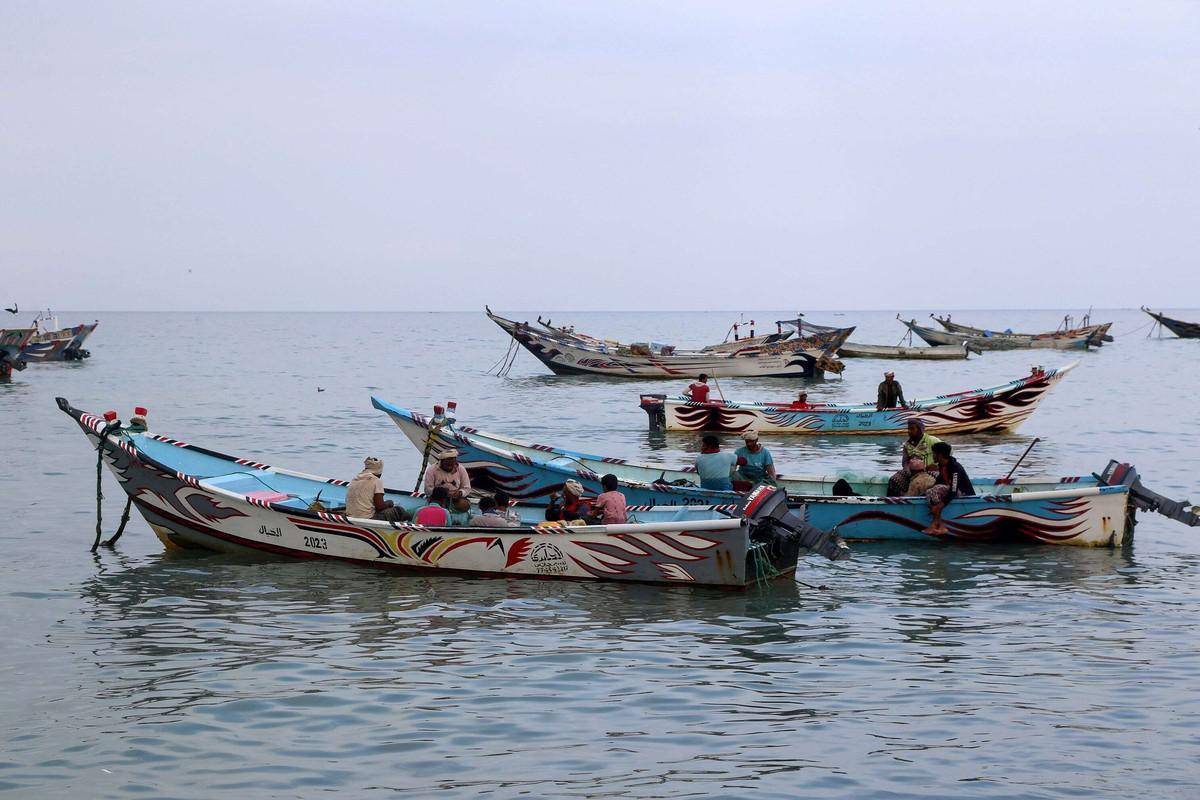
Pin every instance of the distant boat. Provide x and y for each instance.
(12, 342)
(945, 352)
(566, 352)
(1097, 334)
(999, 408)
(987, 340)
(197, 498)
(1095, 510)
(52, 343)
(1184, 330)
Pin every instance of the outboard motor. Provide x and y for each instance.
(655, 406)
(1118, 474)
(782, 531)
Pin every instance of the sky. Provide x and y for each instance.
(599, 155)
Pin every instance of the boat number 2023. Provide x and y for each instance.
(317, 542)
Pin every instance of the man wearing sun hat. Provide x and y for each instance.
(890, 395)
(449, 473)
(755, 463)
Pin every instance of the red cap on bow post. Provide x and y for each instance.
(110, 416)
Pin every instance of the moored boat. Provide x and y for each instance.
(197, 498)
(999, 408)
(1184, 330)
(1002, 341)
(52, 343)
(1097, 335)
(945, 352)
(12, 342)
(569, 353)
(1089, 510)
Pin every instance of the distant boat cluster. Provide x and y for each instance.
(42, 341)
(495, 505)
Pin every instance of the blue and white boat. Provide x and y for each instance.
(1091, 510)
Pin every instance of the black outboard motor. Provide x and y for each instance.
(782, 531)
(1118, 474)
(655, 406)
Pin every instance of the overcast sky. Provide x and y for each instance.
(574, 156)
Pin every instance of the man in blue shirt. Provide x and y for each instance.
(714, 467)
(757, 465)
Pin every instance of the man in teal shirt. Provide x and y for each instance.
(714, 467)
(755, 462)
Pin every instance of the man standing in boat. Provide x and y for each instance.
(891, 394)
(449, 473)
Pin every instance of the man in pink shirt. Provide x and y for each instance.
(610, 505)
(449, 473)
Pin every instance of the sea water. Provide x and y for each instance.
(922, 670)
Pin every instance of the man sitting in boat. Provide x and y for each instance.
(573, 505)
(698, 391)
(919, 444)
(714, 467)
(490, 515)
(609, 506)
(449, 473)
(460, 512)
(435, 515)
(801, 401)
(890, 394)
(755, 462)
(952, 482)
(364, 495)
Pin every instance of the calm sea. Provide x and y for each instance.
(921, 671)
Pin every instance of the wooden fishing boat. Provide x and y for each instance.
(12, 342)
(1089, 510)
(1000, 341)
(197, 498)
(574, 354)
(52, 343)
(1184, 330)
(858, 350)
(1097, 334)
(999, 408)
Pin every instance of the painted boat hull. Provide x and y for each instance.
(13, 342)
(565, 355)
(1067, 511)
(936, 353)
(215, 512)
(999, 341)
(1097, 335)
(1184, 330)
(61, 345)
(999, 408)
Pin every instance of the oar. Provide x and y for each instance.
(1022, 458)
(718, 385)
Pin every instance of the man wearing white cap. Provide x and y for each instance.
(890, 393)
(755, 463)
(573, 505)
(364, 495)
(449, 473)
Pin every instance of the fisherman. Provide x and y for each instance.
(755, 462)
(449, 473)
(460, 512)
(490, 515)
(505, 507)
(364, 495)
(952, 482)
(890, 394)
(714, 467)
(801, 401)
(922, 479)
(919, 444)
(435, 515)
(573, 505)
(698, 391)
(609, 506)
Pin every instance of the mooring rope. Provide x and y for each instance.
(109, 428)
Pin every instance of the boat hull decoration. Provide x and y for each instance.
(13, 342)
(1184, 330)
(196, 498)
(1073, 510)
(1096, 335)
(65, 344)
(1000, 408)
(574, 354)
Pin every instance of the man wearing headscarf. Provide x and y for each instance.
(364, 495)
(919, 444)
(449, 473)
(890, 394)
(573, 505)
